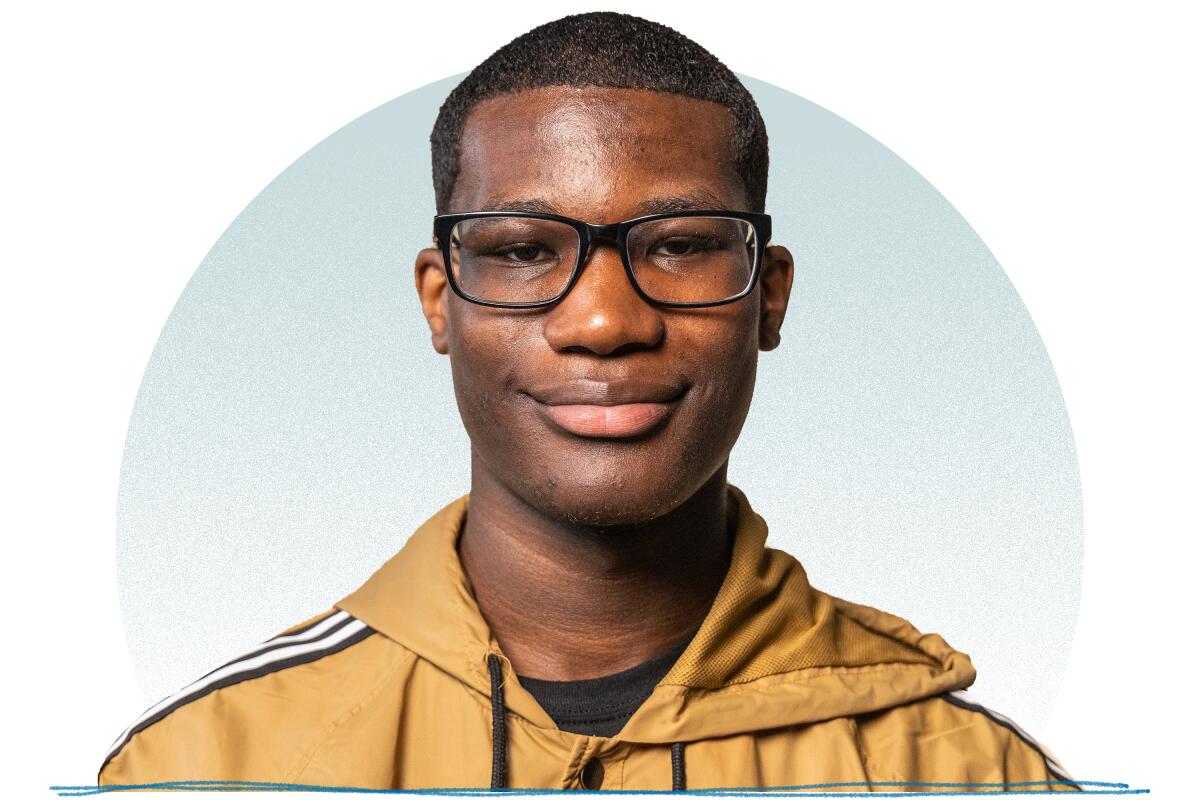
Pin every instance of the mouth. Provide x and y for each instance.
(608, 410)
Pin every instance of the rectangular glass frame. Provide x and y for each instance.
(617, 232)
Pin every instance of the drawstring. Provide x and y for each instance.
(678, 774)
(499, 736)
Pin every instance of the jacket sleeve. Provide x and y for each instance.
(257, 718)
(950, 739)
(245, 732)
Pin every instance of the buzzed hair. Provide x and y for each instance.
(607, 49)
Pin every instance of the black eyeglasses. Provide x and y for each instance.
(681, 259)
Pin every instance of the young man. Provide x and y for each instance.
(606, 613)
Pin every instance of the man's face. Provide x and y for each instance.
(521, 375)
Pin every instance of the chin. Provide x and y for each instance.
(609, 503)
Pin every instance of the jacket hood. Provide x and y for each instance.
(772, 651)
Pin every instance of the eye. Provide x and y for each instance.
(523, 253)
(678, 246)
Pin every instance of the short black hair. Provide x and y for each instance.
(604, 48)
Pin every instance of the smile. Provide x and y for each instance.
(607, 410)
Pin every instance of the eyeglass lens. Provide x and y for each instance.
(698, 259)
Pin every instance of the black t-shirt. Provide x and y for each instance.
(601, 706)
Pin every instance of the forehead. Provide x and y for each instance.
(600, 154)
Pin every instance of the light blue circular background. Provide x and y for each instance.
(907, 442)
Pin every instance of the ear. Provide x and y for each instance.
(433, 291)
(775, 286)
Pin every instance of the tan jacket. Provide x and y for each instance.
(401, 685)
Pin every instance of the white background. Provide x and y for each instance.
(1066, 135)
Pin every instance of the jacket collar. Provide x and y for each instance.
(772, 650)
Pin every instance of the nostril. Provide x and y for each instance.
(631, 347)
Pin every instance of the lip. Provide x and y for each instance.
(607, 409)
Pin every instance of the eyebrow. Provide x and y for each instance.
(694, 200)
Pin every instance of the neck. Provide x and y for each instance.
(568, 602)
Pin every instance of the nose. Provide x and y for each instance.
(603, 314)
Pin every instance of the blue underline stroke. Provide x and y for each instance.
(809, 790)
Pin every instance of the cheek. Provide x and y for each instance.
(485, 351)
(728, 347)
(477, 368)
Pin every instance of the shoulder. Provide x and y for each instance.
(255, 717)
(953, 738)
